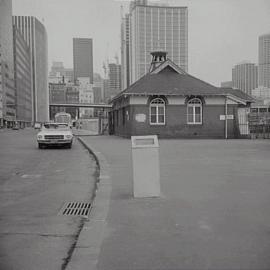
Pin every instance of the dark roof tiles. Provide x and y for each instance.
(170, 82)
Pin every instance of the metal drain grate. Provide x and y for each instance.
(76, 209)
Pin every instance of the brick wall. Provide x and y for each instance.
(176, 123)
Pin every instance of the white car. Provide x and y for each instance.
(55, 134)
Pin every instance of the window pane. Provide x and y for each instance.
(190, 118)
(161, 119)
(160, 110)
(153, 118)
(153, 110)
(197, 110)
(190, 110)
(197, 118)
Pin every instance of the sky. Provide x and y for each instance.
(221, 33)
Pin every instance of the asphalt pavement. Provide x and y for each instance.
(34, 185)
(213, 213)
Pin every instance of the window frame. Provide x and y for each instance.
(194, 103)
(157, 103)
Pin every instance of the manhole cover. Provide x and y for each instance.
(76, 209)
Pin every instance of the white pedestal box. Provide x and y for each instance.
(146, 171)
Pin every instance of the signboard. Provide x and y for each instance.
(229, 117)
(140, 117)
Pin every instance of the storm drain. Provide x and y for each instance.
(76, 209)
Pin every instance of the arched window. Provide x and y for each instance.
(194, 111)
(157, 112)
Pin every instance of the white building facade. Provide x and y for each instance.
(245, 77)
(86, 96)
(153, 27)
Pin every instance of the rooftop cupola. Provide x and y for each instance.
(158, 57)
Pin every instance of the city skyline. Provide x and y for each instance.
(217, 31)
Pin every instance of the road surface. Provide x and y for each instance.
(34, 185)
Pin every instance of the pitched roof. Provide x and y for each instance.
(169, 79)
(238, 93)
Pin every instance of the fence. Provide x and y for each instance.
(259, 125)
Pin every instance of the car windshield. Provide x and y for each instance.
(56, 126)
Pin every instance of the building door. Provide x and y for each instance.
(243, 121)
(111, 123)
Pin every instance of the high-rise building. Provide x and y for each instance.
(262, 94)
(7, 89)
(35, 35)
(125, 29)
(264, 61)
(153, 27)
(83, 58)
(245, 77)
(22, 78)
(98, 84)
(114, 80)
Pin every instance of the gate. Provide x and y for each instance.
(259, 124)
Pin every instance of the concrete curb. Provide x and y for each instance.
(87, 249)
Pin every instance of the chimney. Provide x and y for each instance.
(158, 57)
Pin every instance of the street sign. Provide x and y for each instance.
(229, 117)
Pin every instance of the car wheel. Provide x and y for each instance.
(69, 145)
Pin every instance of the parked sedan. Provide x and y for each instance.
(55, 134)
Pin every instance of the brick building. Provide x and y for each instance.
(173, 104)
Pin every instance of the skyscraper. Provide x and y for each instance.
(22, 79)
(155, 27)
(83, 58)
(125, 78)
(35, 35)
(114, 81)
(245, 77)
(264, 61)
(7, 90)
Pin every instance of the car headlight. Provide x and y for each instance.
(39, 137)
(68, 136)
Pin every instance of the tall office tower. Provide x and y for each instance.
(245, 77)
(154, 27)
(83, 58)
(35, 35)
(264, 60)
(98, 84)
(22, 78)
(7, 90)
(125, 28)
(114, 80)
